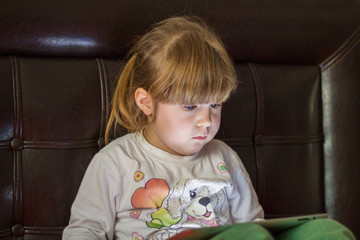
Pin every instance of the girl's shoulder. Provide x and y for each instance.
(120, 148)
(119, 143)
(220, 150)
(120, 154)
(218, 145)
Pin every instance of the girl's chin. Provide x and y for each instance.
(189, 152)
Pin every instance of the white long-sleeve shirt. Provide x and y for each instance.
(133, 190)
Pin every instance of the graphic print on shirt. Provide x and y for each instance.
(222, 167)
(138, 176)
(152, 196)
(191, 203)
(137, 236)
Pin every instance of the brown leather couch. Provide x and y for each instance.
(294, 121)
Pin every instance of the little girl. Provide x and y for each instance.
(168, 174)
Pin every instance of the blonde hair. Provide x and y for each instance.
(180, 60)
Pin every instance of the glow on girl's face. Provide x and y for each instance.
(183, 129)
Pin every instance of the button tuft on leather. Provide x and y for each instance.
(17, 144)
(18, 230)
(101, 142)
(259, 139)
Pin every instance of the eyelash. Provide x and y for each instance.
(216, 105)
(193, 107)
(190, 107)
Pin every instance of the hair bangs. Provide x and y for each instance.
(194, 72)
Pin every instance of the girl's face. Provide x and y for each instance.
(183, 129)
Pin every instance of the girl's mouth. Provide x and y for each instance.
(200, 137)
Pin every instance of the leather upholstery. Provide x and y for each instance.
(294, 120)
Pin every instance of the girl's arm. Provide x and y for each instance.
(244, 203)
(93, 211)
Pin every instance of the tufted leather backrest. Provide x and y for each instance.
(293, 121)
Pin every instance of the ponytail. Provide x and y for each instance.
(123, 105)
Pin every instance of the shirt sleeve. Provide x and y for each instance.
(93, 211)
(244, 203)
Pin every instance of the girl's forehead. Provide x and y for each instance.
(203, 98)
(199, 103)
(195, 101)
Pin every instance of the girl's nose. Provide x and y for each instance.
(204, 118)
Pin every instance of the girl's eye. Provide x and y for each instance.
(190, 107)
(216, 105)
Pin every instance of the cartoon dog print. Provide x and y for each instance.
(198, 202)
(202, 200)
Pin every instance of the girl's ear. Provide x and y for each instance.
(144, 101)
